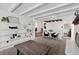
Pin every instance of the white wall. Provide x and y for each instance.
(68, 19)
(5, 14)
(39, 25)
(24, 21)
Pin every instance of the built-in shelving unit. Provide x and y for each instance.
(15, 36)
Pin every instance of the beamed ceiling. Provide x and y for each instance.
(40, 10)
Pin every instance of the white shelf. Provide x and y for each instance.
(6, 33)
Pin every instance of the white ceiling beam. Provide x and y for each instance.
(49, 18)
(62, 14)
(58, 6)
(36, 6)
(14, 7)
(65, 10)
